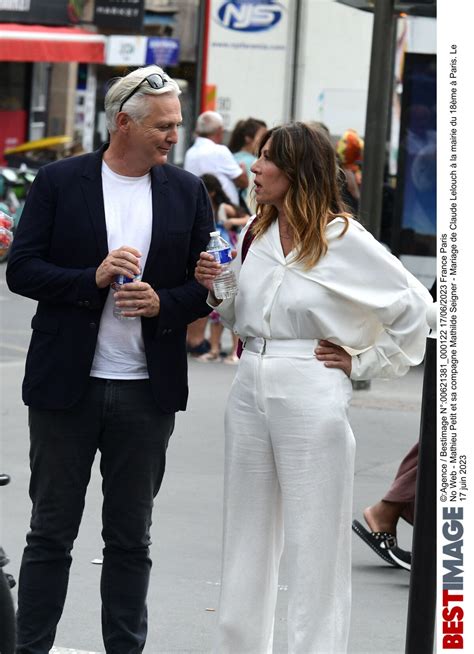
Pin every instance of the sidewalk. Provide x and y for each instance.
(385, 420)
(187, 521)
(386, 423)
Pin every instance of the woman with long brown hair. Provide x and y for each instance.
(313, 284)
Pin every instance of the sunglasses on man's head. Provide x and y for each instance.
(155, 80)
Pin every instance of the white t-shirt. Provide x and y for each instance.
(205, 156)
(120, 352)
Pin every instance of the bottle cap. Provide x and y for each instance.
(213, 233)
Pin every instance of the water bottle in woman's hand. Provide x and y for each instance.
(225, 284)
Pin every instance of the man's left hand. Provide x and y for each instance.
(137, 299)
(334, 356)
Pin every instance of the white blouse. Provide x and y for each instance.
(358, 295)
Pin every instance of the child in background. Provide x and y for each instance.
(228, 219)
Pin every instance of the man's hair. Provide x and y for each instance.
(307, 157)
(208, 123)
(135, 106)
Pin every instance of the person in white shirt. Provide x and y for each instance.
(314, 283)
(208, 155)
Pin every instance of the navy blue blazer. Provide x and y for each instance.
(61, 240)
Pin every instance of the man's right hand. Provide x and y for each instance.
(123, 261)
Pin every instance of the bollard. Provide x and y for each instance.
(422, 594)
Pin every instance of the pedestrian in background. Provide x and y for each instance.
(313, 280)
(209, 155)
(94, 382)
(350, 151)
(383, 516)
(229, 219)
(243, 144)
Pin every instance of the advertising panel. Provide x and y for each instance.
(162, 51)
(416, 189)
(132, 50)
(249, 51)
(43, 12)
(125, 50)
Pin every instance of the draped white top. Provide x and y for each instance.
(358, 295)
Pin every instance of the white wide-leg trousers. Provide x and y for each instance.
(289, 466)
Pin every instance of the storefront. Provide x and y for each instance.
(43, 89)
(53, 80)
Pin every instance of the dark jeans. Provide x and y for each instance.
(122, 421)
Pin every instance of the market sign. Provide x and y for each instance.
(162, 51)
(42, 12)
(126, 14)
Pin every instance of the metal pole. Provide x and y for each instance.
(200, 57)
(295, 63)
(376, 124)
(422, 596)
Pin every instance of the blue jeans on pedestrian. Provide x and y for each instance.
(121, 420)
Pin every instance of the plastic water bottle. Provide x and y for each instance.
(120, 280)
(225, 284)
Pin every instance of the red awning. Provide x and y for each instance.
(40, 43)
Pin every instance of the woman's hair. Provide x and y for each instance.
(137, 109)
(307, 157)
(242, 130)
(219, 196)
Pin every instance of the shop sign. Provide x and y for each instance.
(42, 12)
(162, 51)
(125, 50)
(249, 15)
(118, 14)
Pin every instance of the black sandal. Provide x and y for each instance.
(379, 541)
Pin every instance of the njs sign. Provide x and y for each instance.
(248, 15)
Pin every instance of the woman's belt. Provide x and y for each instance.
(280, 346)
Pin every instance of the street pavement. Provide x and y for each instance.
(187, 524)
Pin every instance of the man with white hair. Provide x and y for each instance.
(208, 155)
(94, 382)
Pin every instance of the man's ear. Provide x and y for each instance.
(123, 121)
